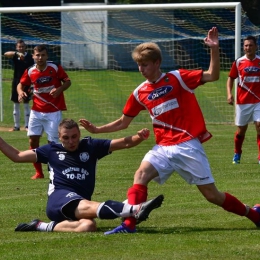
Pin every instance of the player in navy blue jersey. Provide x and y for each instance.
(21, 61)
(72, 167)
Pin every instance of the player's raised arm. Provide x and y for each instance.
(129, 141)
(15, 155)
(117, 125)
(212, 41)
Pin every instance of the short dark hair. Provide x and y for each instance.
(68, 124)
(251, 38)
(40, 48)
(20, 41)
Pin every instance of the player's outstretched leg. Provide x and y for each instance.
(32, 226)
(147, 207)
(141, 215)
(36, 225)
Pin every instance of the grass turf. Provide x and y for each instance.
(185, 227)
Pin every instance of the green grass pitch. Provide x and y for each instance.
(185, 227)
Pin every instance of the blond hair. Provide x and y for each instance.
(148, 51)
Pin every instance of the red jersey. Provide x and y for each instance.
(43, 82)
(248, 74)
(173, 107)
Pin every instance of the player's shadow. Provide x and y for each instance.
(179, 230)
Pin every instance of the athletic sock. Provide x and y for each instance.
(26, 114)
(232, 204)
(37, 166)
(47, 227)
(113, 209)
(136, 195)
(239, 139)
(16, 115)
(258, 145)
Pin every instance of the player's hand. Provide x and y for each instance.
(88, 125)
(20, 55)
(212, 38)
(22, 96)
(230, 100)
(144, 133)
(55, 92)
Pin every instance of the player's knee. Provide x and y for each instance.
(144, 177)
(87, 225)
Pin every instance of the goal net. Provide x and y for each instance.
(93, 43)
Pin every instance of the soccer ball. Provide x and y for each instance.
(257, 208)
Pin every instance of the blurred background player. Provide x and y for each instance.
(21, 61)
(247, 70)
(48, 80)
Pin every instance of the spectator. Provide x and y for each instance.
(21, 61)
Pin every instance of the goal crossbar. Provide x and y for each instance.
(117, 7)
(236, 6)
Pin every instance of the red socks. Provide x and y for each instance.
(232, 204)
(136, 195)
(258, 145)
(37, 166)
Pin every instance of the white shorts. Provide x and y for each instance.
(188, 159)
(247, 113)
(47, 122)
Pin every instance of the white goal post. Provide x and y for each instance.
(94, 46)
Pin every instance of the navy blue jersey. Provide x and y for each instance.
(73, 171)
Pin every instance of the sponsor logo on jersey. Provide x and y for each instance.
(75, 173)
(251, 69)
(164, 107)
(251, 79)
(160, 92)
(44, 79)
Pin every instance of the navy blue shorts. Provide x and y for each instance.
(61, 205)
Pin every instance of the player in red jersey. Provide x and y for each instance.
(49, 81)
(178, 126)
(247, 70)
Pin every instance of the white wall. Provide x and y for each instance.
(84, 37)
